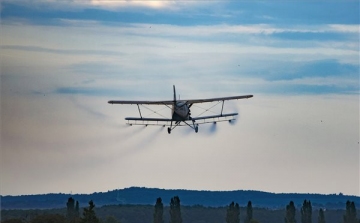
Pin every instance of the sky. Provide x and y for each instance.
(62, 60)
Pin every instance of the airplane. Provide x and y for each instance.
(180, 112)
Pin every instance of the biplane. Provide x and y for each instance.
(180, 112)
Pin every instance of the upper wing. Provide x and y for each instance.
(142, 102)
(192, 101)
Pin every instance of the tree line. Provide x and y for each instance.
(232, 214)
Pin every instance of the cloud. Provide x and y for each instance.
(185, 12)
(312, 68)
(87, 91)
(345, 28)
(111, 5)
(59, 51)
(110, 60)
(122, 3)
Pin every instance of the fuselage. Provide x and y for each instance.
(180, 111)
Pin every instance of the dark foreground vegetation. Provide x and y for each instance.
(174, 212)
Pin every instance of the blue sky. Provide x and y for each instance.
(63, 60)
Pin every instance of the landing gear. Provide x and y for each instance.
(195, 126)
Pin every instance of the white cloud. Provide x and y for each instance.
(108, 4)
(132, 52)
(210, 30)
(123, 3)
(331, 81)
(345, 28)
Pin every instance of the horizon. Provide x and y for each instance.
(62, 61)
(171, 189)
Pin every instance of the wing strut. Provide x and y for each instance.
(139, 110)
(222, 107)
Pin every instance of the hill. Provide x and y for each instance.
(147, 196)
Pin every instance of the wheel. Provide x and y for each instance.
(169, 130)
(196, 128)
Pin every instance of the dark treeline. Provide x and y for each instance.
(140, 195)
(174, 212)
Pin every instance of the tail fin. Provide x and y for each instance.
(174, 93)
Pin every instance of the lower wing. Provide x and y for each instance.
(148, 121)
(167, 122)
(215, 116)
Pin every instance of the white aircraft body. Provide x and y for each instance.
(181, 115)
